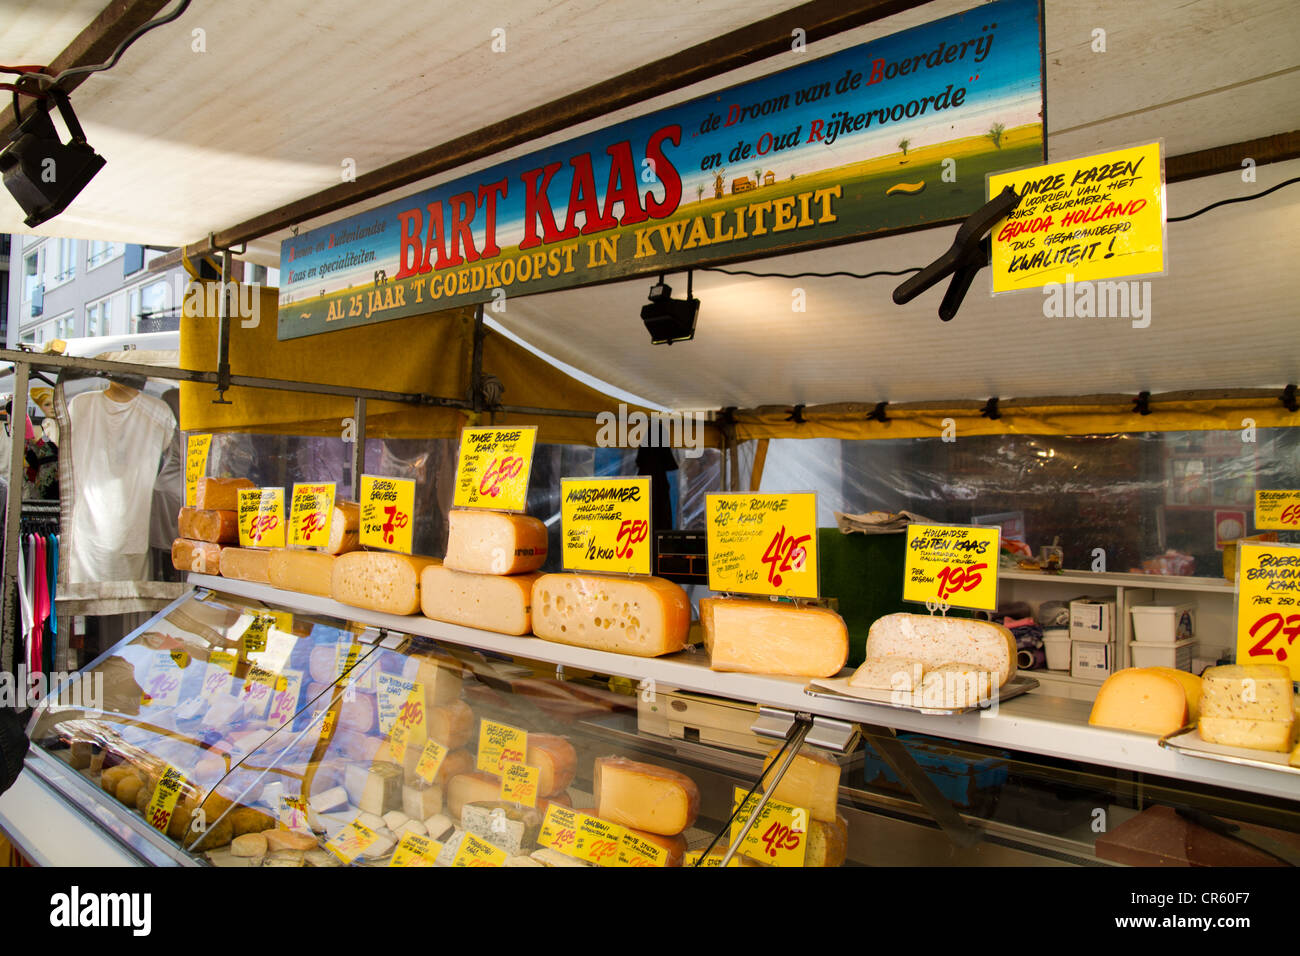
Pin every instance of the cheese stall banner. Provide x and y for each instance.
(888, 135)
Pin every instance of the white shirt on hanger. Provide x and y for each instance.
(116, 448)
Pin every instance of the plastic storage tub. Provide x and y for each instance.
(1164, 623)
(1056, 642)
(1176, 654)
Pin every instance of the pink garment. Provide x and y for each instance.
(1011, 623)
(42, 608)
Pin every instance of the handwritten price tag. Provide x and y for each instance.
(780, 835)
(261, 517)
(955, 565)
(259, 687)
(284, 702)
(606, 524)
(351, 841)
(1268, 605)
(400, 700)
(387, 513)
(162, 687)
(293, 815)
(1277, 510)
(196, 465)
(163, 801)
(430, 762)
(714, 859)
(493, 468)
(476, 852)
(560, 829)
(415, 850)
(498, 745)
(635, 851)
(519, 783)
(597, 841)
(763, 544)
(218, 675)
(310, 513)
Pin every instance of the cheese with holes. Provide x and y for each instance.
(812, 781)
(828, 842)
(246, 564)
(764, 637)
(1273, 735)
(644, 796)
(945, 640)
(956, 685)
(643, 616)
(501, 603)
(308, 572)
(200, 524)
(202, 557)
(1140, 699)
(490, 542)
(1247, 692)
(556, 762)
(219, 494)
(451, 725)
(374, 789)
(379, 580)
(888, 673)
(476, 787)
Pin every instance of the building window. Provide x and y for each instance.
(31, 273)
(99, 318)
(102, 252)
(64, 327)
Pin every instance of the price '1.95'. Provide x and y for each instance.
(957, 577)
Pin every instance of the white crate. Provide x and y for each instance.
(1176, 654)
(1164, 623)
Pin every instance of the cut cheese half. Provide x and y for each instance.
(1247, 692)
(1142, 700)
(345, 528)
(828, 842)
(1275, 735)
(501, 603)
(451, 725)
(956, 685)
(763, 637)
(945, 640)
(246, 564)
(812, 781)
(219, 494)
(490, 542)
(888, 673)
(555, 760)
(442, 683)
(308, 572)
(379, 580)
(476, 787)
(643, 616)
(202, 557)
(645, 796)
(204, 525)
(1192, 688)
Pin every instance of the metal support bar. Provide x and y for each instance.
(223, 332)
(921, 786)
(798, 731)
(358, 446)
(476, 361)
(13, 512)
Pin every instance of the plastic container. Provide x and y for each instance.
(1177, 654)
(1164, 623)
(1056, 641)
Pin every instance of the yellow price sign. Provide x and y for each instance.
(606, 524)
(163, 800)
(519, 783)
(311, 510)
(953, 565)
(259, 688)
(327, 724)
(196, 465)
(763, 544)
(293, 814)
(1080, 220)
(351, 841)
(284, 702)
(400, 701)
(162, 686)
(430, 762)
(476, 852)
(714, 859)
(218, 675)
(493, 468)
(560, 829)
(415, 850)
(253, 640)
(1268, 605)
(261, 517)
(1277, 510)
(597, 841)
(779, 836)
(499, 745)
(387, 513)
(637, 851)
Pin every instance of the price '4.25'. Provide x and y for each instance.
(785, 553)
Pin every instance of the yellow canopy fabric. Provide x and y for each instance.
(430, 354)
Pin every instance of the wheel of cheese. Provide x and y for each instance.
(675, 845)
(888, 673)
(1142, 700)
(763, 637)
(345, 528)
(359, 714)
(201, 557)
(644, 796)
(556, 761)
(490, 602)
(201, 524)
(379, 580)
(246, 564)
(307, 572)
(475, 787)
(811, 781)
(641, 616)
(441, 677)
(828, 842)
(451, 725)
(219, 494)
(323, 663)
(491, 542)
(945, 640)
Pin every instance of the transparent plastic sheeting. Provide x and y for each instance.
(1156, 501)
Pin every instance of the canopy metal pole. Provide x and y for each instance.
(223, 332)
(13, 515)
(476, 361)
(358, 446)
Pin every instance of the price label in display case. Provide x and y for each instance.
(476, 852)
(430, 762)
(1268, 605)
(519, 783)
(387, 513)
(493, 468)
(779, 837)
(196, 465)
(415, 850)
(310, 512)
(351, 841)
(1277, 510)
(162, 803)
(763, 544)
(952, 565)
(499, 745)
(261, 517)
(606, 524)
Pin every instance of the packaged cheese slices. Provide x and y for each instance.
(639, 615)
(754, 636)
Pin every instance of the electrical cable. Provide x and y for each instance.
(1224, 202)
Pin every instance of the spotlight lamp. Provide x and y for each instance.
(670, 320)
(44, 174)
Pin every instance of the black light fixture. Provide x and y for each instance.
(670, 320)
(43, 173)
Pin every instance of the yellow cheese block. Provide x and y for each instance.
(828, 842)
(1141, 699)
(219, 494)
(246, 564)
(308, 572)
(451, 725)
(642, 616)
(1295, 757)
(945, 640)
(1249, 692)
(379, 580)
(556, 761)
(1272, 735)
(491, 602)
(202, 557)
(763, 637)
(204, 525)
(644, 796)
(345, 528)
(812, 781)
(442, 683)
(490, 542)
(475, 787)
(1192, 688)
